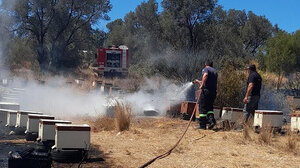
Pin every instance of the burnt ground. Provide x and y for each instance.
(10, 143)
(18, 143)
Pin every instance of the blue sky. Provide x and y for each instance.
(285, 13)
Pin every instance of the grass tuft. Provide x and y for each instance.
(265, 135)
(123, 116)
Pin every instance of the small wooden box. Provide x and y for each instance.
(187, 108)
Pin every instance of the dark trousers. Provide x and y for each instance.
(250, 107)
(206, 106)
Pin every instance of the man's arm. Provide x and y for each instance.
(249, 90)
(204, 79)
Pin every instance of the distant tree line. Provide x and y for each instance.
(51, 35)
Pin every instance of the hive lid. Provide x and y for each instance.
(7, 110)
(188, 102)
(53, 122)
(8, 103)
(29, 112)
(226, 108)
(237, 109)
(269, 112)
(217, 107)
(295, 114)
(38, 116)
(72, 127)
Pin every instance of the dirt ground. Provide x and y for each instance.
(149, 137)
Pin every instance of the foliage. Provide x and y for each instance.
(59, 29)
(280, 58)
(231, 87)
(176, 41)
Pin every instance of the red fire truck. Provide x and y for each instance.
(113, 61)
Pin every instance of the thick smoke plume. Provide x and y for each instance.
(62, 100)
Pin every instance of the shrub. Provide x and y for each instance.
(231, 87)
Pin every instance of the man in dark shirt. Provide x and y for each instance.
(208, 85)
(253, 93)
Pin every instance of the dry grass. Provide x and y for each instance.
(103, 123)
(248, 129)
(265, 135)
(291, 142)
(123, 116)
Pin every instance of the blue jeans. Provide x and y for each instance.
(250, 107)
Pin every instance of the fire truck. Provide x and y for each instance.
(113, 61)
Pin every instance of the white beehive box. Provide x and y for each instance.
(33, 122)
(295, 121)
(22, 117)
(9, 105)
(68, 136)
(3, 116)
(47, 128)
(232, 114)
(11, 118)
(268, 118)
(217, 111)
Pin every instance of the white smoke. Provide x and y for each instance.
(157, 95)
(58, 99)
(64, 101)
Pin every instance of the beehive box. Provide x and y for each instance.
(232, 114)
(217, 112)
(22, 117)
(11, 118)
(268, 118)
(295, 122)
(33, 122)
(9, 105)
(187, 108)
(68, 136)
(3, 116)
(294, 102)
(174, 110)
(47, 129)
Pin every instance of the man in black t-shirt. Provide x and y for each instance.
(253, 93)
(208, 85)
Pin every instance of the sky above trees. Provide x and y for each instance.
(284, 13)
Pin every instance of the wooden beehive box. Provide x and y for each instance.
(268, 118)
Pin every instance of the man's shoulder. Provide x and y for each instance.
(211, 69)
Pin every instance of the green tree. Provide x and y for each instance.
(60, 28)
(280, 55)
(187, 16)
